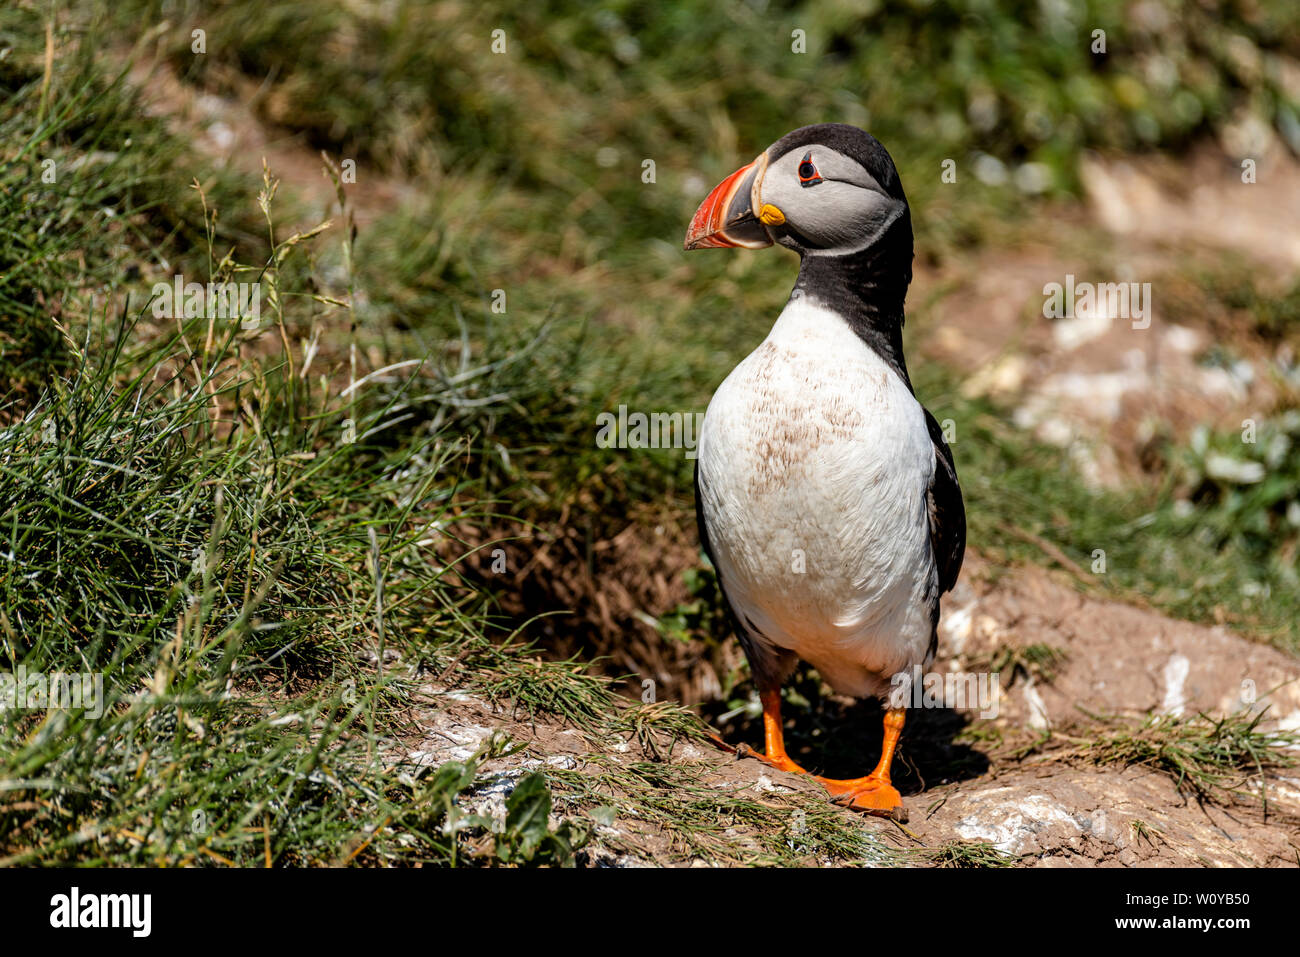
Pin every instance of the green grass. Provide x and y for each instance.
(194, 533)
(1148, 833)
(187, 518)
(232, 537)
(202, 577)
(1013, 78)
(966, 854)
(1039, 661)
(1207, 758)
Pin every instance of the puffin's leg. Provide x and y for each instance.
(773, 735)
(874, 793)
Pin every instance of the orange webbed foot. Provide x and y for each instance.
(781, 762)
(871, 794)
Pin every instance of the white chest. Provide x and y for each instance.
(814, 462)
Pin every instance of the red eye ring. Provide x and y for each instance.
(808, 174)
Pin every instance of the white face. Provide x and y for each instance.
(831, 204)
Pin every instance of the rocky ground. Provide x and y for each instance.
(967, 778)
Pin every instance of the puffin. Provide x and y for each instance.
(826, 495)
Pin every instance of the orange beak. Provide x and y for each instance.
(726, 217)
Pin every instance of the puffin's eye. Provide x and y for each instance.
(808, 175)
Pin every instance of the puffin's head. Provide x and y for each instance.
(828, 189)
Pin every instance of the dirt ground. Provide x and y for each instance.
(1094, 385)
(1045, 809)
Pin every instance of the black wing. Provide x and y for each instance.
(699, 520)
(947, 512)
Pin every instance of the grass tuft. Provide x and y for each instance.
(1208, 758)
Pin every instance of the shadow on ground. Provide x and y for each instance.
(839, 738)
